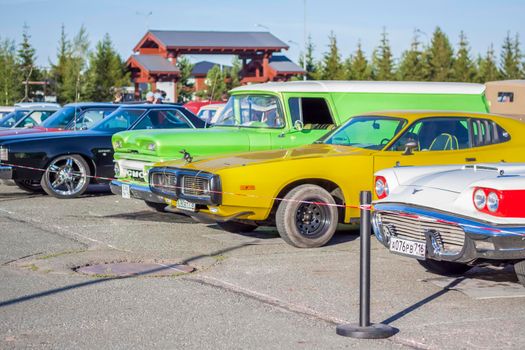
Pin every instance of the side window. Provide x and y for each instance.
(487, 132)
(436, 134)
(505, 97)
(163, 119)
(89, 118)
(312, 111)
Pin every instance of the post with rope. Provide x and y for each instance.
(365, 329)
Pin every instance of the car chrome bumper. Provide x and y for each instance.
(480, 240)
(136, 191)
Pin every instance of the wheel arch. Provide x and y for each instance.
(330, 186)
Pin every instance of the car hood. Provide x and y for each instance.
(313, 151)
(51, 135)
(169, 142)
(34, 130)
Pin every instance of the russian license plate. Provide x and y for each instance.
(126, 192)
(406, 247)
(185, 205)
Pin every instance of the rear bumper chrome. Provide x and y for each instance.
(136, 191)
(448, 237)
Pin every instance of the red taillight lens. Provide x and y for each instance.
(504, 203)
(381, 187)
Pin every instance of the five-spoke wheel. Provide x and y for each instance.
(66, 177)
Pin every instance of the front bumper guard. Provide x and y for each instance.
(137, 191)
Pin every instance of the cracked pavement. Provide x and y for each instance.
(248, 291)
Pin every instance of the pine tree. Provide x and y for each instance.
(184, 87)
(510, 67)
(411, 65)
(26, 61)
(463, 68)
(215, 85)
(487, 67)
(311, 66)
(10, 74)
(383, 61)
(58, 70)
(234, 73)
(332, 66)
(360, 69)
(106, 72)
(440, 57)
(73, 84)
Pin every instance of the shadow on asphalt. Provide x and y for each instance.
(108, 279)
(154, 216)
(422, 302)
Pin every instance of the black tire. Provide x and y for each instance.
(307, 225)
(237, 227)
(29, 186)
(79, 180)
(156, 206)
(445, 268)
(519, 269)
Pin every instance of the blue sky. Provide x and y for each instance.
(483, 21)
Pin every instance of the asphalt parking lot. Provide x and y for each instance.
(247, 291)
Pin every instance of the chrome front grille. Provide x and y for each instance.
(451, 237)
(195, 185)
(167, 182)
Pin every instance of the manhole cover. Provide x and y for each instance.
(137, 269)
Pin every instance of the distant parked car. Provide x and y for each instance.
(73, 116)
(450, 218)
(27, 116)
(70, 161)
(5, 110)
(195, 106)
(210, 113)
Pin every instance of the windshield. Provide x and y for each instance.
(60, 119)
(368, 132)
(12, 118)
(88, 118)
(120, 120)
(255, 111)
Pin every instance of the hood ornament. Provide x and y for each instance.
(187, 156)
(416, 190)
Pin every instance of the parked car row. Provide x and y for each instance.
(295, 155)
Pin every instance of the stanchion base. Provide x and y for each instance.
(374, 331)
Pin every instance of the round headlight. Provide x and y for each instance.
(492, 202)
(152, 147)
(381, 187)
(116, 168)
(117, 144)
(480, 199)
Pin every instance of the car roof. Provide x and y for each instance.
(367, 87)
(92, 104)
(152, 106)
(417, 114)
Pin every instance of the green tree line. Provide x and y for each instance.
(78, 73)
(437, 60)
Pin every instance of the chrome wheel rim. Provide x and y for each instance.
(312, 220)
(66, 176)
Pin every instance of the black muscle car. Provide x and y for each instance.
(63, 164)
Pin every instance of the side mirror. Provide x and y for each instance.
(298, 125)
(410, 146)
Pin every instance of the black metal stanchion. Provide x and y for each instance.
(365, 329)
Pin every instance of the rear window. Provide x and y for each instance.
(487, 132)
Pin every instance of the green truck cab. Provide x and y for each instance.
(277, 116)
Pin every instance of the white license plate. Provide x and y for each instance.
(185, 205)
(126, 192)
(407, 247)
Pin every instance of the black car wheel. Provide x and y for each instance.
(304, 220)
(156, 206)
(519, 269)
(29, 186)
(66, 177)
(237, 227)
(446, 268)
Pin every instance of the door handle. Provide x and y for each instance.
(470, 159)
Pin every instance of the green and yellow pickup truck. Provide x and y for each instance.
(277, 116)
